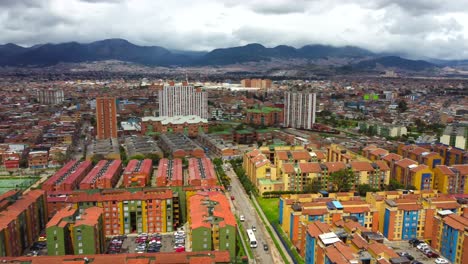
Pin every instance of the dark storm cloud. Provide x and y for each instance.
(419, 27)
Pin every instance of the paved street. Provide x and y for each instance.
(244, 207)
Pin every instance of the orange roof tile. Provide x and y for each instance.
(462, 168)
(310, 167)
(379, 248)
(445, 170)
(404, 163)
(288, 168)
(409, 207)
(392, 157)
(300, 155)
(419, 168)
(361, 166)
(456, 221)
(382, 165)
(335, 166)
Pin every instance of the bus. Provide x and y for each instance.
(252, 239)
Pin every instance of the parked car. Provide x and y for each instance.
(232, 198)
(416, 262)
(422, 246)
(406, 254)
(254, 228)
(431, 254)
(441, 261)
(242, 218)
(265, 247)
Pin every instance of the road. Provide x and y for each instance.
(243, 206)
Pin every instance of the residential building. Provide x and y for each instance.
(455, 136)
(264, 116)
(189, 125)
(22, 218)
(180, 146)
(212, 257)
(106, 118)
(138, 173)
(226, 149)
(170, 173)
(107, 148)
(450, 236)
(453, 179)
(183, 100)
(142, 145)
(299, 109)
(256, 83)
(38, 159)
(201, 172)
(72, 232)
(50, 96)
(104, 175)
(132, 210)
(68, 178)
(212, 225)
(383, 129)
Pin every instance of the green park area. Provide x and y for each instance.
(270, 208)
(20, 182)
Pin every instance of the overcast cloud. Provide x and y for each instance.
(422, 28)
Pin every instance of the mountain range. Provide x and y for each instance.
(122, 50)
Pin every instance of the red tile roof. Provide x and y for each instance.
(361, 166)
(90, 216)
(60, 215)
(445, 170)
(310, 167)
(335, 166)
(392, 157)
(404, 163)
(288, 168)
(382, 165)
(457, 222)
(462, 168)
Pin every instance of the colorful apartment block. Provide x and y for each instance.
(71, 232)
(450, 236)
(211, 257)
(373, 153)
(212, 225)
(201, 172)
(68, 177)
(340, 153)
(453, 179)
(138, 173)
(38, 159)
(347, 242)
(22, 218)
(409, 214)
(170, 173)
(297, 210)
(104, 175)
(133, 210)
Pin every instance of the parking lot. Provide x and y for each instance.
(131, 244)
(404, 246)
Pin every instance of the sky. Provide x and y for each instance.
(417, 28)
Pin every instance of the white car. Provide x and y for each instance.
(242, 218)
(441, 261)
(422, 246)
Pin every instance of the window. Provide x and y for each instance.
(80, 244)
(80, 251)
(79, 237)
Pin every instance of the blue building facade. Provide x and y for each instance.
(449, 243)
(410, 225)
(310, 249)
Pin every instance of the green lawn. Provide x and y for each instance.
(270, 208)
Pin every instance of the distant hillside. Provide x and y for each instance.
(394, 62)
(256, 52)
(119, 49)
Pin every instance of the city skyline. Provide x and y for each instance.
(416, 28)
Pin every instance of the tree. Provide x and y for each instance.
(217, 162)
(61, 158)
(154, 157)
(342, 180)
(363, 189)
(313, 187)
(394, 185)
(137, 157)
(402, 106)
(96, 158)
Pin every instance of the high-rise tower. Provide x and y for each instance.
(106, 118)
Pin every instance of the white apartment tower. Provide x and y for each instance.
(50, 96)
(299, 109)
(183, 100)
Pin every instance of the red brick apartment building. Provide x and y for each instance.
(22, 217)
(170, 173)
(11, 160)
(201, 172)
(138, 173)
(104, 175)
(106, 118)
(68, 177)
(189, 125)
